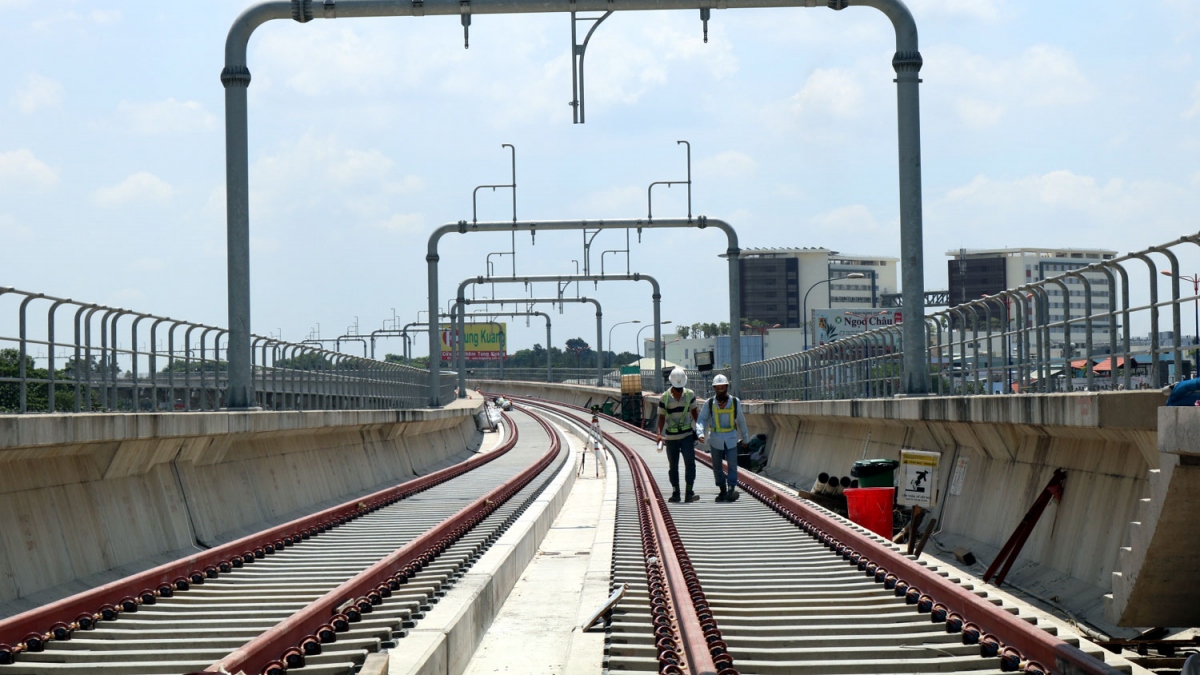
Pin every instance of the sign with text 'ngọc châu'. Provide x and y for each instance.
(482, 341)
(835, 324)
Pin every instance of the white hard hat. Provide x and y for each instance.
(678, 377)
(720, 380)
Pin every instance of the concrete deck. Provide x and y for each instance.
(538, 631)
(446, 638)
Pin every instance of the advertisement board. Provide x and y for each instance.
(483, 341)
(835, 324)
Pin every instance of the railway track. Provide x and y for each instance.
(312, 596)
(796, 589)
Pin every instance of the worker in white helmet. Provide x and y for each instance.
(677, 412)
(722, 416)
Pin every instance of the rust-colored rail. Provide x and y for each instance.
(1020, 645)
(31, 630)
(302, 634)
(679, 610)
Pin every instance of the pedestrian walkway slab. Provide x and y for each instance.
(538, 630)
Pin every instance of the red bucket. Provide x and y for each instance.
(872, 508)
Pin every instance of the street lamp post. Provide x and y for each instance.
(1195, 279)
(621, 323)
(804, 310)
(638, 339)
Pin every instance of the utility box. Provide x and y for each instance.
(875, 472)
(918, 477)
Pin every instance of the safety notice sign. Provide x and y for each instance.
(918, 477)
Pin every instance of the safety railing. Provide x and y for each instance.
(1072, 332)
(72, 356)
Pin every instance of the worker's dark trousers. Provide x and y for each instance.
(687, 448)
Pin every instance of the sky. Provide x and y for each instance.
(1066, 124)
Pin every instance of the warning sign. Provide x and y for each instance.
(918, 477)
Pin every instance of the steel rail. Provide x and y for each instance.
(1019, 644)
(282, 647)
(31, 630)
(696, 629)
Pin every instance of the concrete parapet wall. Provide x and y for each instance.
(1106, 441)
(1151, 586)
(89, 497)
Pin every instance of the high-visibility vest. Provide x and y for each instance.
(723, 419)
(678, 412)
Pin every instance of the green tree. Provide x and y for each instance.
(36, 392)
(682, 332)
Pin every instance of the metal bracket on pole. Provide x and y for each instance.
(577, 52)
(464, 10)
(669, 183)
(704, 15)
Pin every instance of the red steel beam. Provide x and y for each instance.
(268, 650)
(58, 619)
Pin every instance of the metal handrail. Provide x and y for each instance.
(94, 370)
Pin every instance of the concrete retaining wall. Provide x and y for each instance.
(1106, 441)
(88, 498)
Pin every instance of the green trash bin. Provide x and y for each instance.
(875, 472)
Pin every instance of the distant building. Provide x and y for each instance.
(775, 281)
(973, 273)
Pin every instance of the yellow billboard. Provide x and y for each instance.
(482, 341)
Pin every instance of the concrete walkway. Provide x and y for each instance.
(538, 629)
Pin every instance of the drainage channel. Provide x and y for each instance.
(200, 626)
(793, 601)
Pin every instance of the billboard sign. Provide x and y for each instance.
(483, 341)
(835, 324)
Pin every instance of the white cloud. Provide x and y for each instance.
(614, 202)
(11, 230)
(363, 182)
(833, 92)
(169, 116)
(727, 165)
(984, 10)
(100, 17)
(984, 90)
(22, 168)
(402, 223)
(1194, 111)
(148, 265)
(1061, 208)
(139, 187)
(847, 220)
(39, 93)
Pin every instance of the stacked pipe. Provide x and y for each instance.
(832, 485)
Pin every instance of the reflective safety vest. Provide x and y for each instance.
(678, 411)
(723, 419)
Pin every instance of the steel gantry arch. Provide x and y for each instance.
(549, 354)
(656, 298)
(235, 77)
(700, 222)
(461, 358)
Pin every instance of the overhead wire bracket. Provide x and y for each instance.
(578, 50)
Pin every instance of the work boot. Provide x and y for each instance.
(732, 495)
(721, 497)
(674, 499)
(690, 496)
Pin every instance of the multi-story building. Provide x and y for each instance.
(775, 282)
(975, 273)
